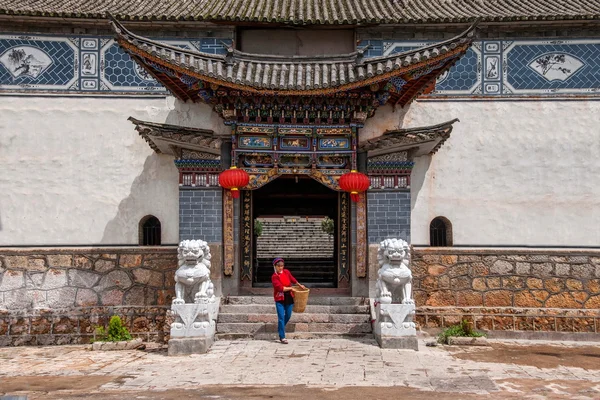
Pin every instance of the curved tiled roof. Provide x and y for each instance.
(200, 139)
(301, 74)
(311, 12)
(430, 137)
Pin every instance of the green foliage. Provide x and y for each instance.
(116, 331)
(327, 226)
(464, 329)
(258, 227)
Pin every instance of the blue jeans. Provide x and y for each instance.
(284, 313)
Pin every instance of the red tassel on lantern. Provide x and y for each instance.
(355, 183)
(234, 179)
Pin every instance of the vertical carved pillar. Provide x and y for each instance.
(361, 236)
(247, 235)
(228, 247)
(343, 235)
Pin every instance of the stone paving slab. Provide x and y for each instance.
(332, 363)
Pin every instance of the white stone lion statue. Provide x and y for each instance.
(192, 278)
(394, 271)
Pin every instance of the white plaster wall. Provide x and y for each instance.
(73, 171)
(512, 173)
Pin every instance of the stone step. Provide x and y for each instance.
(310, 309)
(296, 318)
(312, 300)
(254, 328)
(291, 335)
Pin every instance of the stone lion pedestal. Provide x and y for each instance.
(394, 328)
(394, 307)
(195, 306)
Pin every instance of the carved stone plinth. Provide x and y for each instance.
(187, 346)
(394, 327)
(196, 319)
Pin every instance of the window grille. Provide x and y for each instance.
(150, 232)
(440, 232)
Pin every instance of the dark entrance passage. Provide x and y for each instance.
(297, 217)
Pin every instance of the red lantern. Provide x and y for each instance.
(234, 179)
(355, 183)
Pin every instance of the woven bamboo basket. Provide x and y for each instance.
(300, 299)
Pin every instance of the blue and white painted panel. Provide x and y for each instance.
(39, 63)
(515, 67)
(552, 66)
(463, 78)
(81, 64)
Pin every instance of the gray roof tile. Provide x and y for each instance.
(309, 12)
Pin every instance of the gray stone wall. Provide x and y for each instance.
(388, 215)
(59, 296)
(201, 214)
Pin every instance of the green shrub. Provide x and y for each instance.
(327, 226)
(463, 329)
(258, 227)
(116, 331)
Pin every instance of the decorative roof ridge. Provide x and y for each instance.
(295, 59)
(129, 36)
(423, 129)
(436, 135)
(182, 129)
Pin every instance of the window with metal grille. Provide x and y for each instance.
(440, 232)
(150, 231)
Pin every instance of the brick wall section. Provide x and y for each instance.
(59, 296)
(388, 215)
(201, 214)
(526, 290)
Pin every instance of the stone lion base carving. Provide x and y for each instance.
(394, 327)
(195, 306)
(187, 346)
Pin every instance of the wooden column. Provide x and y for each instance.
(361, 236)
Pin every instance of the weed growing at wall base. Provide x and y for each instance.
(464, 329)
(116, 331)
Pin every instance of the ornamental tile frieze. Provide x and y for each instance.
(76, 64)
(513, 67)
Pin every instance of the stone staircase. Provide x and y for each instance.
(307, 250)
(293, 237)
(254, 317)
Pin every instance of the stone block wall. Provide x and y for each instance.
(509, 290)
(388, 215)
(59, 296)
(201, 214)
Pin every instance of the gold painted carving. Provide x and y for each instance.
(228, 248)
(361, 236)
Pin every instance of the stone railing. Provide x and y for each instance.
(506, 289)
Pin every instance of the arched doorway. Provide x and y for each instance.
(297, 218)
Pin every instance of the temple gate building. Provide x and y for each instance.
(476, 124)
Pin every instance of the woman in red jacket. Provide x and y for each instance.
(284, 296)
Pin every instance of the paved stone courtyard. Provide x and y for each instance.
(333, 368)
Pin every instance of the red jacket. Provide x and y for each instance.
(280, 281)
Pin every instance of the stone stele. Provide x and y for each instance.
(195, 306)
(394, 306)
